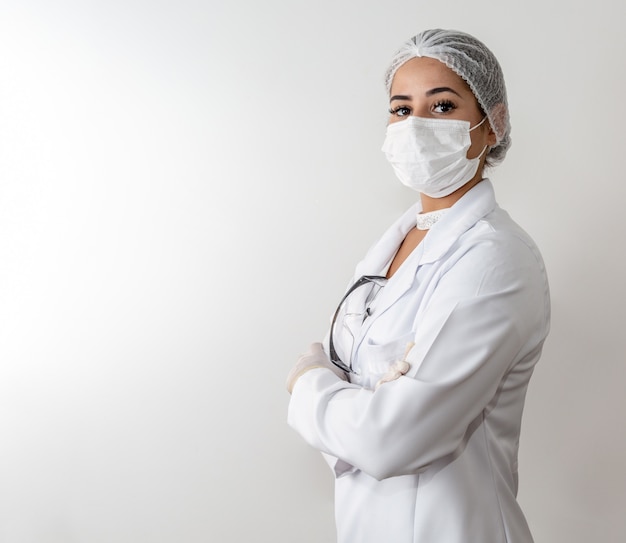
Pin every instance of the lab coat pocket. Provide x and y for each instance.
(378, 357)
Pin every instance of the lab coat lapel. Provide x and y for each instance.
(464, 214)
(379, 258)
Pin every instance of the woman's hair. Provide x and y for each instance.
(472, 61)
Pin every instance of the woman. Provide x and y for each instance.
(416, 397)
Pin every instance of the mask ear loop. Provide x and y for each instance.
(481, 122)
(486, 146)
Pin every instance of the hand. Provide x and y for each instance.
(315, 357)
(397, 369)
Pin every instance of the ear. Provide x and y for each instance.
(491, 136)
(499, 114)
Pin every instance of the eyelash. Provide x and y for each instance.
(446, 103)
(396, 110)
(442, 103)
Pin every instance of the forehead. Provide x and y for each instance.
(424, 73)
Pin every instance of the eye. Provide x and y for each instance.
(444, 106)
(400, 111)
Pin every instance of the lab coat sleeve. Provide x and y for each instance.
(485, 313)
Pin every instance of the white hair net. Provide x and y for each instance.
(472, 61)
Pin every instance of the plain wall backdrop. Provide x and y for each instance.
(185, 188)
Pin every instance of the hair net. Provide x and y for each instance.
(471, 60)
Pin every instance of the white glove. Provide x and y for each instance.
(315, 357)
(398, 368)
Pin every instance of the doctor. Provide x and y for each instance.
(416, 396)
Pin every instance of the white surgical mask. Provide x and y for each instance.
(430, 155)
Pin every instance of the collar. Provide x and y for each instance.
(473, 206)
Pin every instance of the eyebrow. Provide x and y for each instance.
(399, 97)
(442, 89)
(431, 92)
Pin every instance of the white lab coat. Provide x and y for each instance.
(432, 456)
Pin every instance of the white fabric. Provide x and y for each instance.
(430, 155)
(432, 456)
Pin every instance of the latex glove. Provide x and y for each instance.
(398, 368)
(315, 357)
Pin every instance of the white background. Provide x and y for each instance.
(185, 188)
